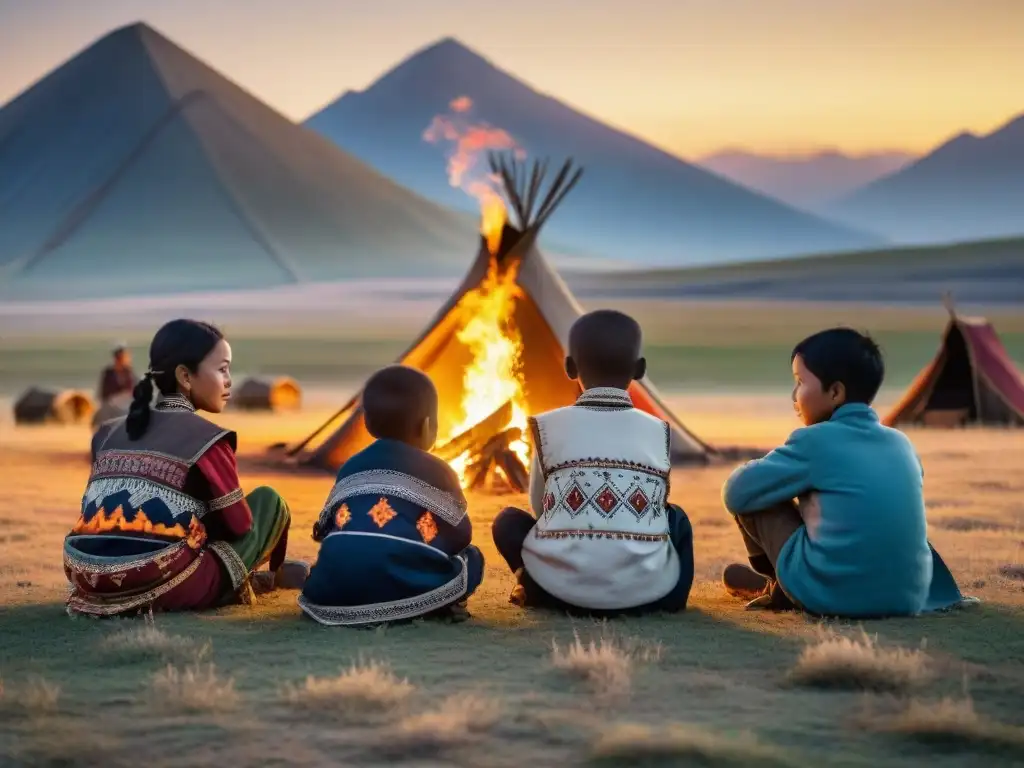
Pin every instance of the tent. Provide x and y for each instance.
(971, 380)
(543, 315)
(54, 406)
(267, 394)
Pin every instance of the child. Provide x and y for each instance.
(602, 537)
(164, 524)
(855, 545)
(395, 534)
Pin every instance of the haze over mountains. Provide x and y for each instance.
(135, 168)
(634, 202)
(811, 181)
(971, 187)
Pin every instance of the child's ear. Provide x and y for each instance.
(837, 394)
(428, 433)
(570, 369)
(641, 369)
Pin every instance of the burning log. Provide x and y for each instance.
(477, 435)
(516, 474)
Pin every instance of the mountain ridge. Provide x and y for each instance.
(698, 210)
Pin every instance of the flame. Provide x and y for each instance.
(493, 376)
(116, 521)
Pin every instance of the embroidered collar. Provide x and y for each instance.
(175, 402)
(605, 397)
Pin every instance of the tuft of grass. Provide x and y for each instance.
(36, 697)
(1012, 571)
(362, 689)
(459, 720)
(605, 664)
(640, 745)
(950, 723)
(838, 661)
(196, 688)
(147, 640)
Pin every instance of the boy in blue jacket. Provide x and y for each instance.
(834, 520)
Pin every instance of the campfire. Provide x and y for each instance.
(489, 445)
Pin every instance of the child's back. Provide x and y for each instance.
(602, 536)
(867, 553)
(396, 536)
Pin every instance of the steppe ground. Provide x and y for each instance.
(715, 685)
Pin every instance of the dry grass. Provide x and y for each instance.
(35, 697)
(948, 723)
(147, 641)
(363, 690)
(605, 664)
(196, 688)
(641, 745)
(458, 721)
(839, 661)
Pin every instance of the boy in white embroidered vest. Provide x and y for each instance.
(602, 537)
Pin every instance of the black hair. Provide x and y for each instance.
(179, 342)
(396, 400)
(604, 348)
(846, 356)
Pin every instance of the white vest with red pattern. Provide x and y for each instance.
(602, 536)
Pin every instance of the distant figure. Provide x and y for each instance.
(117, 379)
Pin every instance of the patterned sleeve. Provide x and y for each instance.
(218, 466)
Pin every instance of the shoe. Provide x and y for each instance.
(772, 598)
(518, 594)
(744, 582)
(291, 575)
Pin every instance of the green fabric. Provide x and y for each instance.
(270, 517)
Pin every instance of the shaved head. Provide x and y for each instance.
(605, 350)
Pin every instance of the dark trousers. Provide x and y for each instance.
(512, 526)
(765, 533)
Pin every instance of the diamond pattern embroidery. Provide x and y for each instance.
(606, 500)
(427, 527)
(549, 501)
(638, 502)
(382, 512)
(342, 516)
(574, 500)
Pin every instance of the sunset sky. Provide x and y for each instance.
(692, 76)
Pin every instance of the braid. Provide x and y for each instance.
(138, 412)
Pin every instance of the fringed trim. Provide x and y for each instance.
(397, 610)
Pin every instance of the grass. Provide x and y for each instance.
(693, 345)
(838, 661)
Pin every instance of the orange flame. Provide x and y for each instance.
(493, 377)
(466, 164)
(110, 522)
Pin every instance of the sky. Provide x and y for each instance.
(692, 76)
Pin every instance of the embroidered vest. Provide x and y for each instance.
(137, 488)
(602, 536)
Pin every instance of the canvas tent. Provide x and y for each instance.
(52, 406)
(971, 380)
(278, 393)
(543, 316)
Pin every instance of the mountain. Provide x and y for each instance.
(136, 168)
(807, 181)
(969, 188)
(634, 201)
